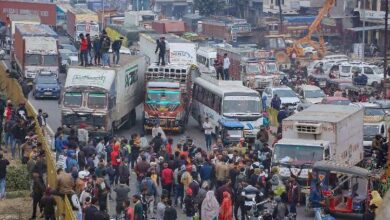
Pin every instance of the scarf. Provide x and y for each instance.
(226, 212)
(210, 207)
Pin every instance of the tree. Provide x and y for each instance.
(206, 7)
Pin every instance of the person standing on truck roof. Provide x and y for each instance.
(96, 49)
(161, 49)
(218, 65)
(226, 65)
(83, 50)
(89, 48)
(105, 48)
(116, 46)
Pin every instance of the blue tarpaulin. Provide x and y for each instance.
(299, 19)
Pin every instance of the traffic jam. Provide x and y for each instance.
(273, 122)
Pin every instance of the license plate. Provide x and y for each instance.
(48, 93)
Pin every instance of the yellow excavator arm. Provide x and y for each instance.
(319, 46)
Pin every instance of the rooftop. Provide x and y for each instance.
(168, 37)
(324, 113)
(35, 30)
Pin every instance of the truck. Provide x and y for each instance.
(320, 132)
(168, 96)
(81, 21)
(45, 10)
(103, 99)
(178, 50)
(35, 50)
(250, 66)
(22, 19)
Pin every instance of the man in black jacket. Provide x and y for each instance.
(116, 46)
(161, 49)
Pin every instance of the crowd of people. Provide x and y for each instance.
(96, 51)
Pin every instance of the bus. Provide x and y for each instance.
(205, 57)
(217, 99)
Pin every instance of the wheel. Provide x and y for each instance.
(374, 84)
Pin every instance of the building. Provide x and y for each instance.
(173, 8)
(370, 19)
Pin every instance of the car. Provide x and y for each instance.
(68, 58)
(286, 95)
(336, 100)
(310, 94)
(46, 85)
(69, 47)
(374, 73)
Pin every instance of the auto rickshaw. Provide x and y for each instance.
(346, 189)
(231, 130)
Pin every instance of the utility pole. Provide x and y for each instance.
(364, 26)
(280, 16)
(385, 67)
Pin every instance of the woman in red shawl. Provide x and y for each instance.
(226, 212)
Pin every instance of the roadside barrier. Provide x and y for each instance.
(12, 90)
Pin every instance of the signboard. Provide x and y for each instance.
(90, 77)
(241, 28)
(182, 53)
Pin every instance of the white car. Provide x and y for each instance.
(374, 73)
(311, 94)
(286, 94)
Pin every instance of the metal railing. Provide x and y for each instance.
(12, 90)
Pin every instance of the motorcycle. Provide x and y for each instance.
(258, 210)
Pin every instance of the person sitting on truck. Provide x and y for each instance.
(116, 46)
(226, 66)
(83, 50)
(161, 49)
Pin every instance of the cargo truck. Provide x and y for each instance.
(178, 50)
(256, 68)
(320, 132)
(35, 50)
(103, 99)
(168, 96)
(81, 21)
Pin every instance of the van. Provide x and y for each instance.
(373, 73)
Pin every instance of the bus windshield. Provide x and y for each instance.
(297, 153)
(241, 104)
(97, 100)
(163, 97)
(72, 99)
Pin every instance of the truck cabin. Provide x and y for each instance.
(40, 55)
(86, 27)
(88, 106)
(346, 187)
(161, 95)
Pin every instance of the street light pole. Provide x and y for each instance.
(364, 26)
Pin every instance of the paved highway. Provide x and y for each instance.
(192, 130)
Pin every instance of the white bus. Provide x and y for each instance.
(218, 99)
(205, 57)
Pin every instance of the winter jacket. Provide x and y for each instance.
(115, 156)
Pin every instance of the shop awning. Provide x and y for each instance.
(367, 28)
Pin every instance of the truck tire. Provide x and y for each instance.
(131, 119)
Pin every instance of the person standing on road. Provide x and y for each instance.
(208, 128)
(37, 193)
(116, 46)
(122, 193)
(83, 50)
(189, 205)
(276, 102)
(226, 66)
(167, 179)
(138, 208)
(293, 196)
(3, 173)
(170, 212)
